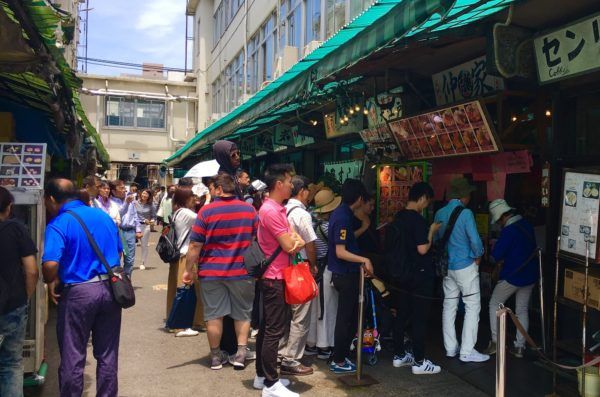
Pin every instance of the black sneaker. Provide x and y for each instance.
(324, 354)
(311, 350)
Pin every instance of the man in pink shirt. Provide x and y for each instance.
(274, 231)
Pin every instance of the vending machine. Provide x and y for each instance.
(22, 168)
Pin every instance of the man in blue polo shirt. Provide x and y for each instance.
(85, 303)
(345, 265)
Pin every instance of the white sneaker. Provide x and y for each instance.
(187, 332)
(142, 267)
(425, 368)
(259, 382)
(403, 361)
(278, 390)
(474, 357)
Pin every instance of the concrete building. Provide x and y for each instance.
(239, 46)
(141, 119)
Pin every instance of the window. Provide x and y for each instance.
(135, 113)
(336, 16)
(223, 17)
(358, 6)
(313, 21)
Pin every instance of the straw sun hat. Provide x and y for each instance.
(326, 201)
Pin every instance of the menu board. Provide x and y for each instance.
(453, 131)
(393, 184)
(380, 138)
(579, 215)
(22, 165)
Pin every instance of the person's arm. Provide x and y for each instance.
(472, 233)
(365, 222)
(311, 255)
(342, 253)
(31, 272)
(423, 249)
(502, 246)
(124, 207)
(290, 242)
(191, 258)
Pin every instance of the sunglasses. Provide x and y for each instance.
(235, 154)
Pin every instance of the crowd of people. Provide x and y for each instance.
(288, 216)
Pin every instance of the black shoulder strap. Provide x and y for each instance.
(322, 233)
(451, 222)
(291, 210)
(274, 255)
(92, 242)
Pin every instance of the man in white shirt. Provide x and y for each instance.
(291, 347)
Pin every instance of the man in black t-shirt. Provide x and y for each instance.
(411, 303)
(18, 279)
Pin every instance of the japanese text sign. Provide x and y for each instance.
(569, 51)
(466, 81)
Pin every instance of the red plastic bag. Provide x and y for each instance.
(300, 285)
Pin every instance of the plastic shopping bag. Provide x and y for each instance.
(300, 285)
(183, 309)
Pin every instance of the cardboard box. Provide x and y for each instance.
(574, 286)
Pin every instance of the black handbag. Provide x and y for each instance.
(120, 283)
(440, 248)
(255, 260)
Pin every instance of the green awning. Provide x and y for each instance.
(383, 23)
(32, 89)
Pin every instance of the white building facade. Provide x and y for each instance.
(241, 45)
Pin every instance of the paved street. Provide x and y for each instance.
(155, 363)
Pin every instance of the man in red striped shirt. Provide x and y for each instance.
(222, 232)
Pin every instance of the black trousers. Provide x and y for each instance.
(272, 327)
(228, 338)
(347, 314)
(414, 309)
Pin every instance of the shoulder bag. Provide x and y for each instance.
(440, 247)
(120, 283)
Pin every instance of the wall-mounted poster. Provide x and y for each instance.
(343, 170)
(386, 106)
(393, 184)
(579, 215)
(454, 131)
(334, 129)
(380, 139)
(22, 165)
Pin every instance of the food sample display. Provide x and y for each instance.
(22, 164)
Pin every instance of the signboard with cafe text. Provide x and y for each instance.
(569, 51)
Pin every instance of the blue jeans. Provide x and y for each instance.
(12, 328)
(128, 238)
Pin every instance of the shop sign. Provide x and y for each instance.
(579, 215)
(22, 165)
(289, 136)
(334, 129)
(385, 107)
(342, 170)
(454, 131)
(568, 51)
(467, 81)
(247, 148)
(546, 185)
(263, 143)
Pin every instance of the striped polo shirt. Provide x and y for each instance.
(226, 228)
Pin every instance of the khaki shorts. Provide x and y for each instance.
(232, 298)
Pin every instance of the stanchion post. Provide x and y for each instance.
(542, 311)
(555, 317)
(359, 379)
(501, 351)
(584, 316)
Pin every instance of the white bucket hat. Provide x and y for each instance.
(498, 208)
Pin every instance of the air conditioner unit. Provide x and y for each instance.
(287, 59)
(310, 47)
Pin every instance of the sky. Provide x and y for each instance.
(136, 31)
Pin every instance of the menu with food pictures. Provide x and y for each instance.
(579, 215)
(22, 165)
(454, 131)
(380, 137)
(393, 184)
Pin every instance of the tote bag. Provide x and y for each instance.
(300, 285)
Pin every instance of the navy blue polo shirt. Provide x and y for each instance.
(341, 232)
(67, 244)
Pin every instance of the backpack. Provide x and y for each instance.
(167, 247)
(399, 261)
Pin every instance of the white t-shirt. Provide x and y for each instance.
(183, 220)
(301, 221)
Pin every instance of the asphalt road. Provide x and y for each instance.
(153, 362)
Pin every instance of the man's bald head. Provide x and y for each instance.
(61, 190)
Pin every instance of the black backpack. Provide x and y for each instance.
(399, 260)
(167, 247)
